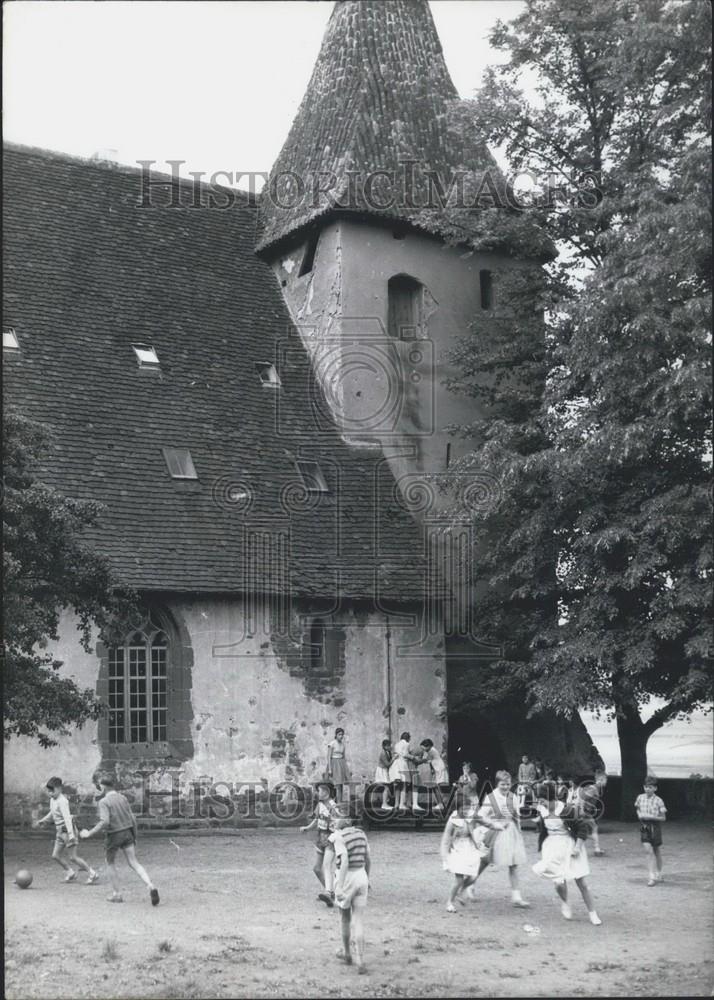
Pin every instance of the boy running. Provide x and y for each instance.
(65, 833)
(119, 822)
(324, 816)
(351, 888)
(651, 812)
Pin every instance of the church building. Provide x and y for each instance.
(254, 390)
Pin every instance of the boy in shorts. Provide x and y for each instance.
(324, 816)
(351, 888)
(651, 812)
(65, 833)
(116, 817)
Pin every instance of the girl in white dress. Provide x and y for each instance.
(400, 772)
(507, 848)
(459, 853)
(563, 855)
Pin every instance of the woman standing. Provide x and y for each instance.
(337, 770)
(508, 848)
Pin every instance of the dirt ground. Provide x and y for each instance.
(239, 918)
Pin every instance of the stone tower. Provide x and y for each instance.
(358, 226)
(354, 227)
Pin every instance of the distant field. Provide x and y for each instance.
(676, 751)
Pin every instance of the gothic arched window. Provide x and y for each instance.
(138, 672)
(405, 307)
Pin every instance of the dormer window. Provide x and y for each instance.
(405, 301)
(312, 477)
(146, 356)
(486, 285)
(9, 339)
(268, 374)
(179, 463)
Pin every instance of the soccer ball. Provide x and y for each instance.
(23, 879)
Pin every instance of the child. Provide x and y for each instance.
(652, 813)
(561, 788)
(337, 771)
(562, 836)
(351, 888)
(508, 848)
(400, 772)
(461, 852)
(589, 805)
(324, 817)
(381, 775)
(526, 777)
(119, 822)
(438, 772)
(65, 833)
(468, 783)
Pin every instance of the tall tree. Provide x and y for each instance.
(48, 566)
(607, 478)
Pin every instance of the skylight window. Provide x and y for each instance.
(312, 477)
(146, 356)
(179, 463)
(268, 374)
(9, 339)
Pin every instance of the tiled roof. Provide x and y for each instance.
(88, 273)
(380, 96)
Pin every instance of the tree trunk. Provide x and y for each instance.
(632, 735)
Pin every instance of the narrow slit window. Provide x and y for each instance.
(179, 463)
(486, 282)
(448, 454)
(312, 477)
(9, 339)
(309, 256)
(404, 295)
(268, 374)
(146, 356)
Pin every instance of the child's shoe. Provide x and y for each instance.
(116, 897)
(594, 918)
(347, 959)
(70, 876)
(651, 882)
(328, 898)
(566, 911)
(154, 896)
(450, 908)
(599, 853)
(659, 877)
(92, 878)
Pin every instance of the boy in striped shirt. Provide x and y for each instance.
(351, 887)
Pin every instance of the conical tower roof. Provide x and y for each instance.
(380, 99)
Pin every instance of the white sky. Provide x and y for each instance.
(214, 84)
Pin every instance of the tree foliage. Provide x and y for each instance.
(48, 566)
(597, 573)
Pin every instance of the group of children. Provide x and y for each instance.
(478, 834)
(118, 823)
(398, 768)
